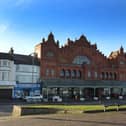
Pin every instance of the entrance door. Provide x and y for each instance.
(26, 92)
(5, 93)
(89, 93)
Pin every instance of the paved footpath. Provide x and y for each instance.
(5, 110)
(92, 119)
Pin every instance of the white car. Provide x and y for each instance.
(35, 98)
(56, 99)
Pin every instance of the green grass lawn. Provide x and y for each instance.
(85, 108)
(68, 107)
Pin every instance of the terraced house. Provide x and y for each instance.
(79, 71)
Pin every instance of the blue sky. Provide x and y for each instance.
(23, 23)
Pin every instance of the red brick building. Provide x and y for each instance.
(79, 69)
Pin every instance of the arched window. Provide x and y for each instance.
(52, 72)
(110, 76)
(47, 72)
(78, 74)
(115, 76)
(96, 74)
(89, 74)
(73, 73)
(103, 76)
(81, 60)
(62, 73)
(67, 73)
(107, 75)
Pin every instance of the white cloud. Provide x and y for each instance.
(3, 28)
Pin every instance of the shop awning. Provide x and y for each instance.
(83, 83)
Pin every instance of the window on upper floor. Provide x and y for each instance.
(49, 54)
(26, 79)
(52, 72)
(62, 73)
(122, 62)
(67, 73)
(73, 73)
(5, 63)
(0, 63)
(81, 60)
(47, 72)
(78, 74)
(89, 74)
(96, 74)
(9, 63)
(4, 76)
(27, 68)
(17, 67)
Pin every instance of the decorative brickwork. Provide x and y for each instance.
(79, 59)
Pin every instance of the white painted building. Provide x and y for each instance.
(19, 75)
(7, 76)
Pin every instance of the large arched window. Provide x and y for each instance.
(81, 60)
(110, 76)
(49, 54)
(67, 73)
(103, 76)
(78, 74)
(115, 76)
(62, 73)
(73, 73)
(107, 75)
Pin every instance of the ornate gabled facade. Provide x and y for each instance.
(81, 61)
(78, 60)
(117, 60)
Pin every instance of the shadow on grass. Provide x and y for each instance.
(35, 111)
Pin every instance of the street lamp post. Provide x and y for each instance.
(33, 56)
(33, 63)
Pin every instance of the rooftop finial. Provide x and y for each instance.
(11, 51)
(51, 37)
(121, 49)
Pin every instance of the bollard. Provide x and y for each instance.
(118, 107)
(104, 108)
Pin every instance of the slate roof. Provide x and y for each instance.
(6, 56)
(25, 59)
(20, 59)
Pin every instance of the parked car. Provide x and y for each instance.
(56, 99)
(35, 98)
